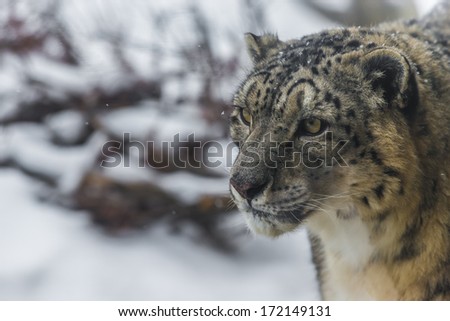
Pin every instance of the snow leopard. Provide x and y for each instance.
(346, 132)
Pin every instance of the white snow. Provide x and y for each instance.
(425, 6)
(180, 184)
(152, 119)
(67, 126)
(59, 77)
(29, 146)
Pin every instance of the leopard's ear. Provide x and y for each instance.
(390, 71)
(261, 47)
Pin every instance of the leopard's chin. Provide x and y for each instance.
(272, 225)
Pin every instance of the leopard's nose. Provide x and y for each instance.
(248, 190)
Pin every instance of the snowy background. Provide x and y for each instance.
(75, 74)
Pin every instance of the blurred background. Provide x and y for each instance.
(76, 74)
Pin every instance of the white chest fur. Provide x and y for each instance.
(348, 272)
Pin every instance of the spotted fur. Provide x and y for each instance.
(380, 221)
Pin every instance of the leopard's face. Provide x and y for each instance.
(318, 134)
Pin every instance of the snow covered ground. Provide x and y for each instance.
(51, 253)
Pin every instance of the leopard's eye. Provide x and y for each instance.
(312, 126)
(246, 117)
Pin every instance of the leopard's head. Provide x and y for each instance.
(323, 128)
